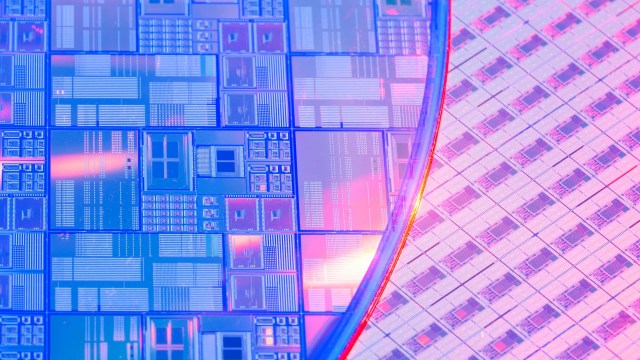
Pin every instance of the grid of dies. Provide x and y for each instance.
(127, 161)
(539, 129)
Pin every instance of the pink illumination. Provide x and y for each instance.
(85, 165)
(416, 207)
(333, 267)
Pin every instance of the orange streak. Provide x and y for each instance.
(412, 217)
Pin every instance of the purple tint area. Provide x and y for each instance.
(470, 307)
(242, 214)
(435, 164)
(429, 221)
(535, 95)
(465, 197)
(542, 258)
(497, 14)
(424, 339)
(432, 275)
(393, 301)
(395, 354)
(575, 179)
(570, 72)
(503, 171)
(568, 20)
(537, 149)
(583, 348)
(620, 322)
(634, 30)
(571, 126)
(532, 44)
(603, 50)
(596, 4)
(607, 102)
(496, 67)
(278, 215)
(503, 227)
(539, 203)
(507, 341)
(580, 290)
(611, 211)
(610, 155)
(435, 330)
(462, 89)
(543, 316)
(463, 143)
(634, 82)
(462, 37)
(469, 250)
(500, 118)
(616, 265)
(505, 284)
(578, 234)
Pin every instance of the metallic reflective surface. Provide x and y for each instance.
(206, 179)
(525, 244)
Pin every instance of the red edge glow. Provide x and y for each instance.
(416, 206)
